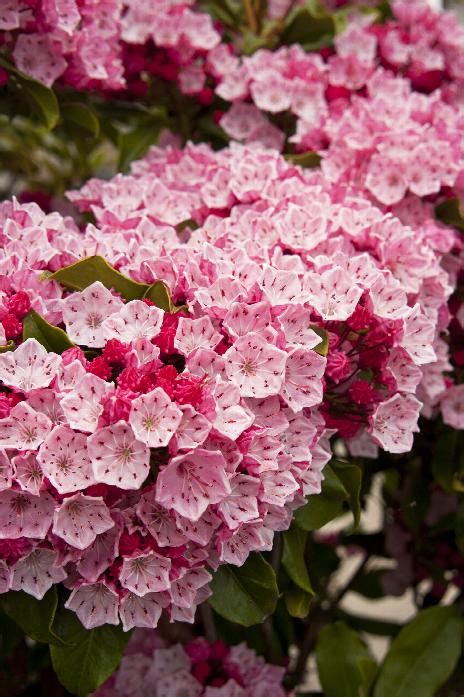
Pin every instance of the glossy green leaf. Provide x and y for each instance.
(88, 656)
(81, 116)
(293, 557)
(318, 512)
(245, 594)
(41, 99)
(159, 294)
(53, 338)
(345, 666)
(309, 27)
(350, 476)
(323, 347)
(423, 655)
(35, 617)
(85, 272)
(298, 602)
(324, 507)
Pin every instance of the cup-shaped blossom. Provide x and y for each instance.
(29, 367)
(117, 457)
(80, 519)
(192, 482)
(255, 366)
(154, 418)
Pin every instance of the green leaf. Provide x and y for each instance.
(351, 477)
(324, 507)
(82, 116)
(85, 272)
(53, 338)
(135, 143)
(305, 159)
(159, 294)
(246, 594)
(451, 213)
(318, 512)
(298, 602)
(309, 27)
(41, 99)
(89, 656)
(293, 558)
(323, 347)
(35, 617)
(445, 459)
(346, 668)
(10, 636)
(423, 655)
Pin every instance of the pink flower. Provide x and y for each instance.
(80, 519)
(135, 320)
(95, 604)
(84, 405)
(29, 367)
(117, 457)
(192, 482)
(452, 407)
(84, 314)
(24, 428)
(154, 418)
(302, 386)
(64, 460)
(25, 515)
(145, 573)
(256, 367)
(37, 572)
(332, 293)
(241, 505)
(195, 333)
(231, 418)
(35, 56)
(136, 611)
(394, 421)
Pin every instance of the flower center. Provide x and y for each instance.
(94, 320)
(248, 368)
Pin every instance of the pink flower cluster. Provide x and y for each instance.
(198, 669)
(107, 45)
(443, 382)
(162, 445)
(318, 251)
(172, 444)
(360, 105)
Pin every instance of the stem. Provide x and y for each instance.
(207, 620)
(250, 16)
(316, 619)
(276, 554)
(270, 641)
